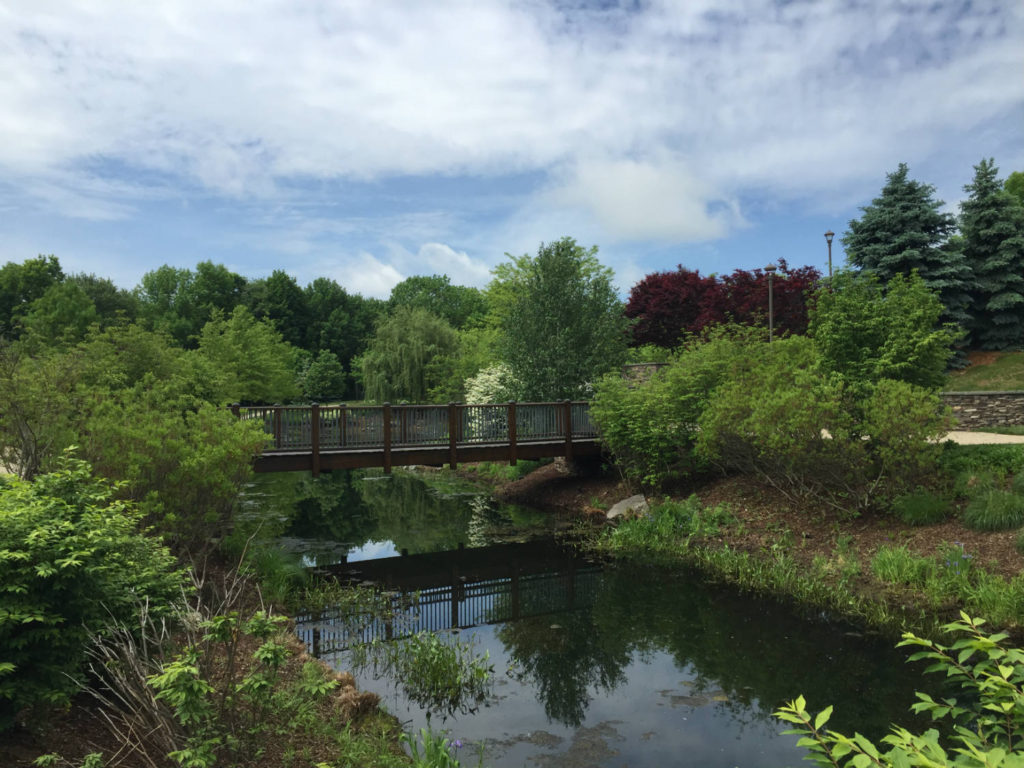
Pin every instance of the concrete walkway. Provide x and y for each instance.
(982, 438)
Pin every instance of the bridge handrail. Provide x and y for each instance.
(339, 427)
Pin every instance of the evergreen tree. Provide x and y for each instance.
(992, 223)
(904, 229)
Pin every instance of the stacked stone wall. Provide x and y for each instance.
(985, 409)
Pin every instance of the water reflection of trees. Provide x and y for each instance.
(415, 518)
(755, 652)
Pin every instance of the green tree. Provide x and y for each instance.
(72, 561)
(561, 320)
(324, 378)
(62, 315)
(457, 304)
(166, 303)
(1014, 184)
(396, 364)
(112, 304)
(251, 361)
(903, 230)
(339, 322)
(865, 332)
(279, 298)
(992, 223)
(20, 285)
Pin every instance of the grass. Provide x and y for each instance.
(897, 588)
(1004, 372)
(1007, 429)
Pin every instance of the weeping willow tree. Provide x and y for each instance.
(397, 363)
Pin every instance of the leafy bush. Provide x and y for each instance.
(72, 558)
(921, 507)
(651, 426)
(811, 436)
(978, 460)
(866, 331)
(986, 724)
(994, 509)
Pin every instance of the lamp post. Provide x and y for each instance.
(828, 239)
(770, 269)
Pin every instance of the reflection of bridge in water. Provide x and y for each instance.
(456, 590)
(321, 437)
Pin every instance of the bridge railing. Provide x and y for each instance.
(341, 427)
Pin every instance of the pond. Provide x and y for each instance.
(597, 665)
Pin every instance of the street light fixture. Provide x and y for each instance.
(770, 269)
(828, 239)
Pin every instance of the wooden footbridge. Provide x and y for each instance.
(316, 438)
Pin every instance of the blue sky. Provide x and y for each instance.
(370, 141)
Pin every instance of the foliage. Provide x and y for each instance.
(20, 285)
(987, 722)
(396, 363)
(250, 361)
(279, 299)
(665, 306)
(994, 509)
(496, 384)
(458, 305)
(992, 222)
(1014, 184)
(671, 522)
(800, 431)
(62, 315)
(242, 695)
(324, 378)
(562, 325)
(905, 230)
(38, 406)
(921, 507)
(437, 750)
(897, 565)
(865, 332)
(440, 674)
(72, 558)
(651, 426)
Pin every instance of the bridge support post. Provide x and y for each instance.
(453, 435)
(512, 435)
(314, 437)
(386, 415)
(277, 426)
(236, 408)
(567, 420)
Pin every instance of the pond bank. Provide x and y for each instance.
(814, 556)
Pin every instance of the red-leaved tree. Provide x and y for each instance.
(665, 305)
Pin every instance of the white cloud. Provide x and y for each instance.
(651, 123)
(650, 200)
(363, 273)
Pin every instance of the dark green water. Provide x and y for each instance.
(605, 666)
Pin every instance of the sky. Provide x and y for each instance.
(369, 141)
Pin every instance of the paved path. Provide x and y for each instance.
(982, 438)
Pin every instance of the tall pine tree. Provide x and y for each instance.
(992, 224)
(903, 230)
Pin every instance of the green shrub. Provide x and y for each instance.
(651, 426)
(72, 560)
(994, 510)
(1017, 485)
(809, 435)
(994, 460)
(1019, 542)
(921, 507)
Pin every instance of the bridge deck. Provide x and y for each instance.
(314, 438)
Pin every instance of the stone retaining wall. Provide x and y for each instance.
(985, 409)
